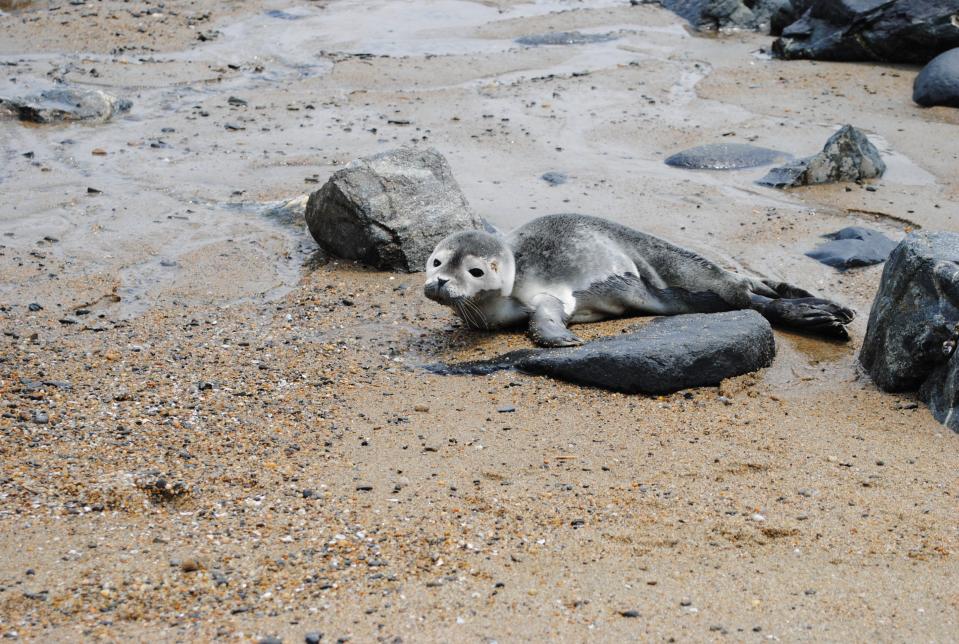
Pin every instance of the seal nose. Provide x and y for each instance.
(440, 282)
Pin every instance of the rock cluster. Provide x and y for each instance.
(900, 31)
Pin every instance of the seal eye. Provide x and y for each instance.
(476, 272)
(436, 263)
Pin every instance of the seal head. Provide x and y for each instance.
(469, 266)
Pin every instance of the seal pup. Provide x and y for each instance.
(566, 269)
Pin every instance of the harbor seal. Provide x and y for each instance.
(566, 269)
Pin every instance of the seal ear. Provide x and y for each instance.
(494, 266)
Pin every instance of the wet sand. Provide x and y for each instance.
(314, 476)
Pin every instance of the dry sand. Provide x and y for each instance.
(209, 432)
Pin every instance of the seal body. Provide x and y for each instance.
(565, 269)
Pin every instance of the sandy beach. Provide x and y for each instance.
(212, 431)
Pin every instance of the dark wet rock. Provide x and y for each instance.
(725, 156)
(914, 314)
(63, 104)
(554, 178)
(284, 15)
(389, 210)
(853, 246)
(785, 13)
(666, 355)
(564, 38)
(938, 82)
(847, 156)
(710, 15)
(313, 637)
(34, 307)
(901, 31)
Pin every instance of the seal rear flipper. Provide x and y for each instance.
(547, 324)
(811, 314)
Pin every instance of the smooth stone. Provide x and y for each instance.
(663, 356)
(554, 178)
(853, 246)
(906, 31)
(847, 156)
(938, 82)
(564, 38)
(64, 104)
(725, 156)
(390, 210)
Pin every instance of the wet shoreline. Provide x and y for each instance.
(333, 483)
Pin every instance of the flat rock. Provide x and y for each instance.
(725, 156)
(665, 355)
(389, 210)
(847, 156)
(901, 31)
(564, 38)
(63, 104)
(853, 246)
(938, 82)
(914, 312)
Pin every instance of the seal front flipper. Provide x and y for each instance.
(547, 324)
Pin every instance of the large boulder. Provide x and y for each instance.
(914, 314)
(852, 247)
(938, 82)
(665, 355)
(847, 156)
(389, 210)
(63, 104)
(902, 31)
(708, 15)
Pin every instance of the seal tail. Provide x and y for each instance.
(791, 306)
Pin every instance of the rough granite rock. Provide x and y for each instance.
(853, 246)
(64, 104)
(938, 82)
(786, 12)
(665, 355)
(847, 156)
(725, 156)
(389, 210)
(901, 31)
(708, 15)
(914, 313)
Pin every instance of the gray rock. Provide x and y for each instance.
(938, 82)
(725, 156)
(554, 178)
(64, 104)
(665, 355)
(847, 156)
(915, 312)
(708, 15)
(901, 31)
(785, 12)
(564, 38)
(389, 210)
(853, 246)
